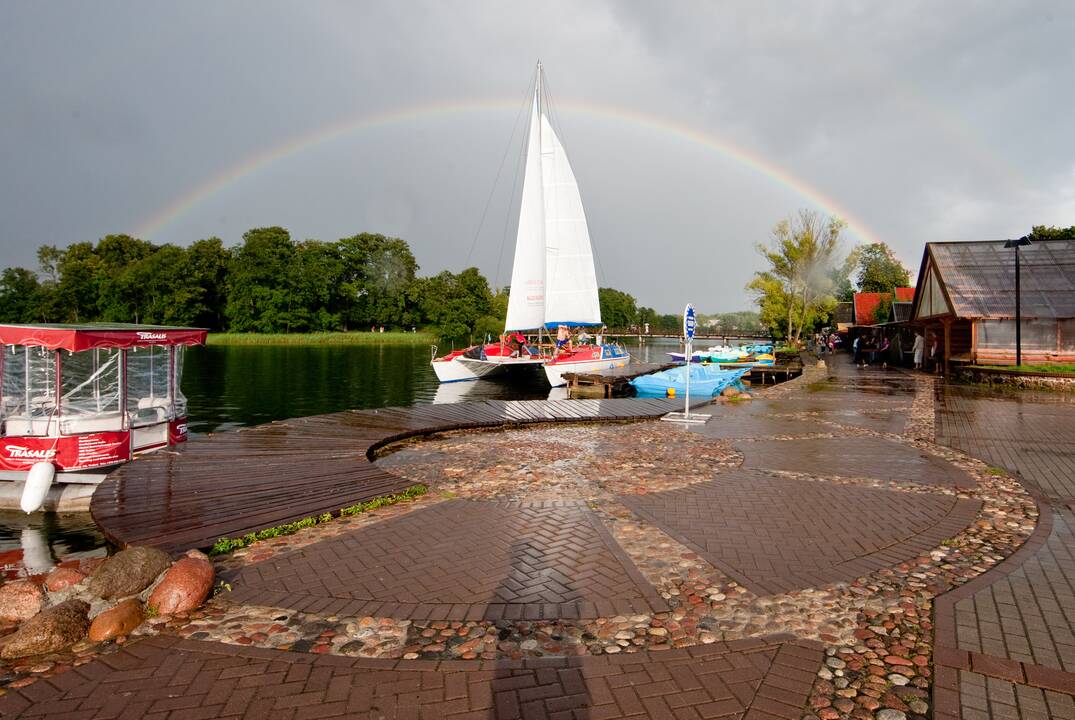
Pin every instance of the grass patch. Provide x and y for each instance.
(227, 545)
(322, 338)
(996, 471)
(1047, 368)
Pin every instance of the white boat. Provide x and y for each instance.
(79, 400)
(553, 281)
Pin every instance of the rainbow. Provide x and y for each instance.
(250, 165)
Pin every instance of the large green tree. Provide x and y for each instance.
(20, 294)
(260, 293)
(618, 309)
(795, 291)
(879, 270)
(456, 303)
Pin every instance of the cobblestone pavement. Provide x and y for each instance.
(1006, 641)
(164, 678)
(782, 561)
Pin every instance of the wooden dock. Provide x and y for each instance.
(773, 374)
(239, 481)
(610, 382)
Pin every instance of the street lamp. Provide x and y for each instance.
(1023, 241)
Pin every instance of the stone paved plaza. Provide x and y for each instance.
(855, 544)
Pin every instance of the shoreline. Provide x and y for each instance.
(323, 338)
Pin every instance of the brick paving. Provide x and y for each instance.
(777, 534)
(1006, 642)
(861, 457)
(461, 560)
(1029, 615)
(1031, 434)
(167, 679)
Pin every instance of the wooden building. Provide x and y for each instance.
(966, 297)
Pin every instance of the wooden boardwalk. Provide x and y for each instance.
(235, 482)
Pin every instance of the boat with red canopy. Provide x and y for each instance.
(78, 400)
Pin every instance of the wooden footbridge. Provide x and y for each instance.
(235, 482)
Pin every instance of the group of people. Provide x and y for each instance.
(869, 349)
(830, 341)
(566, 342)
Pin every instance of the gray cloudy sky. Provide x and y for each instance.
(692, 126)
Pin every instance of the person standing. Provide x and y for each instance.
(857, 348)
(919, 350)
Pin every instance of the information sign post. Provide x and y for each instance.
(690, 323)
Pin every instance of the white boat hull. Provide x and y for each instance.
(554, 372)
(459, 369)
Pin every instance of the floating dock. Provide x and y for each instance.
(612, 382)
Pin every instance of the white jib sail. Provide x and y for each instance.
(526, 301)
(570, 280)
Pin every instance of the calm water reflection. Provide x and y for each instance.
(230, 386)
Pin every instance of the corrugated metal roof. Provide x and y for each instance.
(979, 278)
(901, 311)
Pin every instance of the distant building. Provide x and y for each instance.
(966, 297)
(844, 316)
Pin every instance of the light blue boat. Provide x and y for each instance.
(706, 380)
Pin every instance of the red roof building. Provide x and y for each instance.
(905, 294)
(866, 305)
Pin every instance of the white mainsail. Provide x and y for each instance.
(553, 279)
(526, 300)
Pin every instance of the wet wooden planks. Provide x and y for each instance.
(235, 482)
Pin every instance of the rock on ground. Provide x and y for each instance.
(129, 572)
(20, 600)
(48, 631)
(120, 620)
(185, 586)
(63, 577)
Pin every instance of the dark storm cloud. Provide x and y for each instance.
(923, 121)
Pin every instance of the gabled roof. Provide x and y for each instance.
(977, 280)
(901, 311)
(845, 313)
(866, 305)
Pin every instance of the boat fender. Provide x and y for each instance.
(671, 392)
(38, 482)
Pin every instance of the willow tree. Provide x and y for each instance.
(796, 289)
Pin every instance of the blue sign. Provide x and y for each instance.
(689, 322)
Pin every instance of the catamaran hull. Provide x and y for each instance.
(459, 369)
(554, 371)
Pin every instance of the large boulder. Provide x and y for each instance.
(20, 600)
(120, 620)
(63, 577)
(129, 572)
(48, 631)
(185, 586)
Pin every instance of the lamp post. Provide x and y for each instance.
(1023, 241)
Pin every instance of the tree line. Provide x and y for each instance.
(270, 283)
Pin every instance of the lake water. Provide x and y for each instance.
(231, 386)
(237, 385)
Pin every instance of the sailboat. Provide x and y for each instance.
(553, 282)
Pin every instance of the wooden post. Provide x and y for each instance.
(947, 343)
(974, 341)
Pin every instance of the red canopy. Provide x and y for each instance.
(87, 337)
